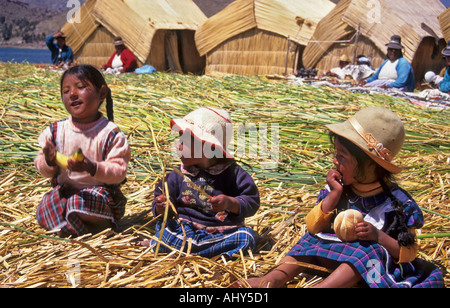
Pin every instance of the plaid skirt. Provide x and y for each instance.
(59, 207)
(373, 262)
(227, 243)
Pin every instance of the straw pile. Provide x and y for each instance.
(144, 103)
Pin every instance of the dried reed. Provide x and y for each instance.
(29, 257)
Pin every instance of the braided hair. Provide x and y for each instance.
(398, 228)
(86, 72)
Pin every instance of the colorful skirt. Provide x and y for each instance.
(227, 243)
(59, 208)
(373, 262)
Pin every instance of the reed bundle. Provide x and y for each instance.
(143, 104)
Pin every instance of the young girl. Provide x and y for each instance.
(86, 195)
(384, 254)
(212, 196)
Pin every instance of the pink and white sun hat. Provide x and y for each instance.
(208, 124)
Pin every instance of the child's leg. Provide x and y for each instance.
(203, 243)
(95, 224)
(344, 276)
(88, 211)
(50, 212)
(174, 235)
(278, 277)
(227, 243)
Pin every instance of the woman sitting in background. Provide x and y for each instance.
(121, 61)
(395, 72)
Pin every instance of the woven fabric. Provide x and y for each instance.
(373, 262)
(59, 208)
(205, 244)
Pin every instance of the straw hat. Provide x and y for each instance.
(395, 42)
(208, 124)
(344, 58)
(377, 131)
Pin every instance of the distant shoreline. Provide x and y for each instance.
(23, 46)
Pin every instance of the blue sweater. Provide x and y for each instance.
(444, 85)
(191, 205)
(66, 55)
(404, 72)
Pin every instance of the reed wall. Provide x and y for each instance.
(254, 52)
(97, 49)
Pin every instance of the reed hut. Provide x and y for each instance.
(444, 21)
(158, 32)
(414, 20)
(258, 37)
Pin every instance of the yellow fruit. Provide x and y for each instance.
(61, 159)
(78, 155)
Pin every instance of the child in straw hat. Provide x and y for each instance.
(86, 194)
(212, 194)
(384, 253)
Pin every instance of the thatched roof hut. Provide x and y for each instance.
(158, 32)
(414, 20)
(257, 37)
(444, 21)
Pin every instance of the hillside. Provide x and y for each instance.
(55, 5)
(27, 25)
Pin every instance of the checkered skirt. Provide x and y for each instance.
(373, 262)
(59, 207)
(227, 243)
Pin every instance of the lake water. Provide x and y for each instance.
(19, 55)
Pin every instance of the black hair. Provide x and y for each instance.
(86, 72)
(362, 158)
(398, 228)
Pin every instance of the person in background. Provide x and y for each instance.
(62, 55)
(121, 61)
(338, 71)
(395, 72)
(363, 60)
(444, 85)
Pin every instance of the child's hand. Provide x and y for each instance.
(330, 202)
(365, 231)
(221, 203)
(334, 178)
(80, 166)
(50, 153)
(160, 204)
